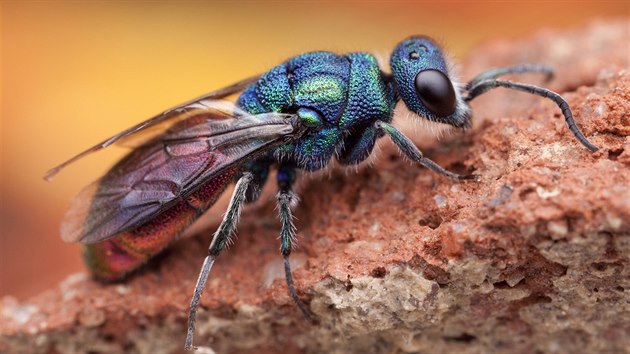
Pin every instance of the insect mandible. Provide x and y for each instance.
(298, 116)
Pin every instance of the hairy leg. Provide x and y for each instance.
(286, 197)
(221, 238)
(410, 150)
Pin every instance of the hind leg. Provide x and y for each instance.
(220, 239)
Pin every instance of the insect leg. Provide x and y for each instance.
(516, 69)
(411, 151)
(259, 169)
(488, 85)
(220, 239)
(286, 197)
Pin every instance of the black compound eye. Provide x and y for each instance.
(436, 91)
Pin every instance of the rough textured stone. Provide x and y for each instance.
(394, 259)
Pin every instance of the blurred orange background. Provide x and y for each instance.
(74, 73)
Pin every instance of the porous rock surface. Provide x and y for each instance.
(533, 258)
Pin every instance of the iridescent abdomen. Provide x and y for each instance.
(113, 258)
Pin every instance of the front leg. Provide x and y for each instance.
(286, 197)
(411, 151)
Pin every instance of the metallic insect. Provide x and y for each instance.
(297, 116)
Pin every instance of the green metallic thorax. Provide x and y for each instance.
(338, 97)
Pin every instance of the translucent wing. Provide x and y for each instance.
(159, 123)
(170, 167)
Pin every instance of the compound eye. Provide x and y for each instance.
(436, 91)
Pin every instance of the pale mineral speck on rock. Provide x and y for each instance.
(275, 269)
(558, 228)
(375, 228)
(440, 200)
(91, 317)
(21, 314)
(122, 289)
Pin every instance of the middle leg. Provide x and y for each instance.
(286, 198)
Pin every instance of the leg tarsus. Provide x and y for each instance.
(430, 164)
(194, 304)
(289, 278)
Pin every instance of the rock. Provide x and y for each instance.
(533, 258)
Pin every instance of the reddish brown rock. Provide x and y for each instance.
(533, 258)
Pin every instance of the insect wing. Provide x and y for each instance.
(170, 167)
(153, 126)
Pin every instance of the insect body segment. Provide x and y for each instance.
(298, 116)
(178, 176)
(337, 97)
(113, 258)
(422, 81)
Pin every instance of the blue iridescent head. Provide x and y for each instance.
(422, 81)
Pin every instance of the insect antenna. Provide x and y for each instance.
(487, 85)
(516, 69)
